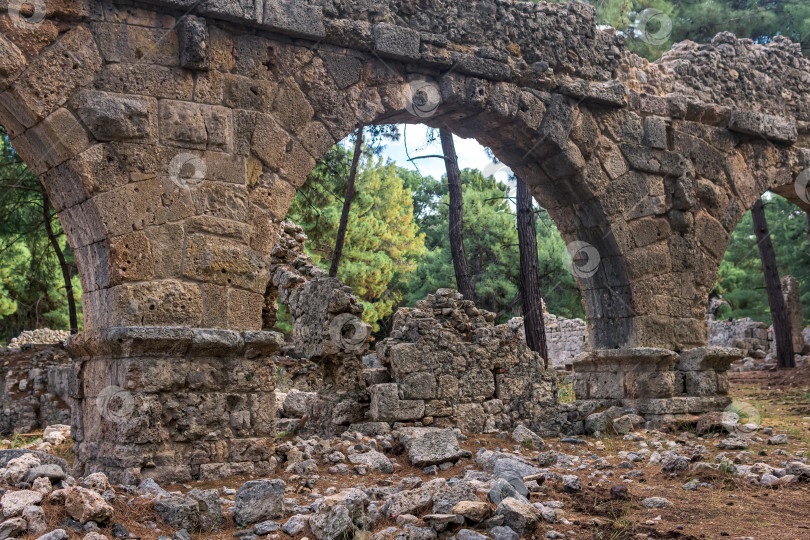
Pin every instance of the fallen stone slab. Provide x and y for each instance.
(430, 446)
(259, 500)
(44, 458)
(375, 461)
(518, 515)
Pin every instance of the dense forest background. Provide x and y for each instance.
(397, 247)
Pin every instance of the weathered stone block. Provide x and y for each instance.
(386, 405)
(192, 125)
(193, 43)
(238, 11)
(293, 18)
(396, 42)
(707, 359)
(291, 108)
(166, 241)
(71, 63)
(242, 92)
(612, 94)
(647, 384)
(296, 165)
(130, 258)
(146, 80)
(476, 66)
(131, 44)
(93, 258)
(224, 262)
(655, 161)
(558, 121)
(156, 303)
(12, 62)
(116, 116)
(700, 383)
(316, 139)
(654, 132)
(220, 200)
(244, 310)
(647, 231)
(215, 302)
(775, 128)
(269, 141)
(345, 69)
(138, 205)
(419, 386)
(83, 224)
(57, 138)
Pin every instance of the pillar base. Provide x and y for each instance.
(173, 404)
(658, 383)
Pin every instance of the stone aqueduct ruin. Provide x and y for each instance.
(171, 136)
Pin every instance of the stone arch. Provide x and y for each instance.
(172, 143)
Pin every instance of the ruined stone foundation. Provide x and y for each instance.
(450, 365)
(173, 404)
(660, 384)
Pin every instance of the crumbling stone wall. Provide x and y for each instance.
(566, 339)
(325, 353)
(752, 337)
(451, 365)
(34, 385)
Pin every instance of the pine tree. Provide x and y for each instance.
(531, 299)
(781, 325)
(456, 221)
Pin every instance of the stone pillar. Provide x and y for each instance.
(173, 404)
(660, 384)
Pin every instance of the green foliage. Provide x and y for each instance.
(740, 280)
(382, 242)
(398, 250)
(701, 20)
(32, 288)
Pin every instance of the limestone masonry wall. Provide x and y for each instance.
(34, 388)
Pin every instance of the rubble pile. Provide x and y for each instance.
(41, 336)
(412, 482)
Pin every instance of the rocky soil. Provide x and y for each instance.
(730, 475)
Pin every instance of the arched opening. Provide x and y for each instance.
(739, 313)
(40, 286)
(397, 246)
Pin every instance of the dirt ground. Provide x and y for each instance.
(731, 508)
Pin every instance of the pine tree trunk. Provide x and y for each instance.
(533, 323)
(808, 233)
(456, 216)
(347, 205)
(46, 214)
(781, 325)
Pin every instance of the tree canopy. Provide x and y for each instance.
(32, 289)
(740, 280)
